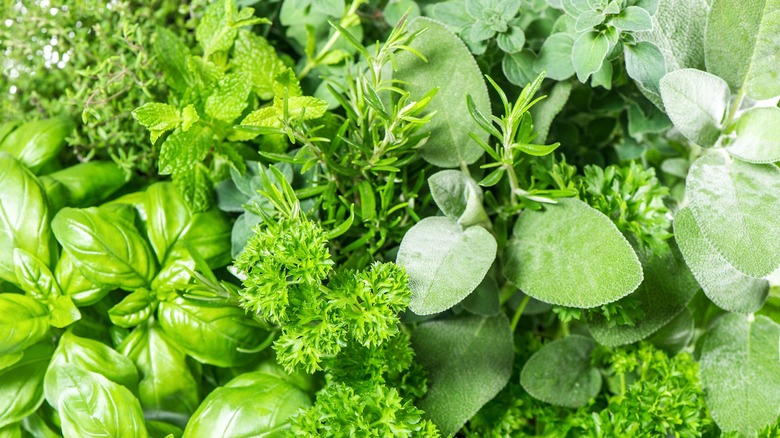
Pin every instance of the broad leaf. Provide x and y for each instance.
(24, 217)
(21, 384)
(36, 143)
(167, 384)
(458, 196)
(519, 68)
(445, 262)
(24, 320)
(571, 255)
(213, 31)
(183, 150)
(172, 55)
(34, 276)
(588, 54)
(452, 69)
(722, 283)
(633, 19)
(740, 362)
(468, 360)
(105, 247)
(736, 205)
(75, 285)
(211, 334)
(259, 403)
(134, 309)
(91, 405)
(255, 59)
(555, 57)
(758, 136)
(742, 45)
(646, 66)
(229, 98)
(667, 288)
(676, 335)
(561, 372)
(696, 101)
(678, 31)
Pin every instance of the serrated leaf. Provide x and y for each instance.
(229, 99)
(183, 150)
(633, 19)
(740, 362)
(736, 206)
(172, 56)
(555, 57)
(571, 255)
(468, 360)
(189, 116)
(696, 101)
(758, 136)
(561, 373)
(588, 54)
(213, 32)
(450, 67)
(722, 283)
(667, 288)
(157, 117)
(445, 262)
(742, 45)
(303, 107)
(255, 59)
(195, 186)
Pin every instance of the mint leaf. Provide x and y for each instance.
(172, 55)
(213, 32)
(445, 262)
(229, 99)
(739, 369)
(722, 283)
(758, 136)
(561, 373)
(189, 116)
(571, 255)
(157, 118)
(255, 59)
(696, 101)
(736, 205)
(182, 150)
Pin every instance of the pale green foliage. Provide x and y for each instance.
(479, 21)
(561, 373)
(758, 136)
(550, 259)
(735, 205)
(451, 68)
(739, 364)
(696, 101)
(724, 285)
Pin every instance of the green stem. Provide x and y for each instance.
(311, 64)
(519, 312)
(734, 108)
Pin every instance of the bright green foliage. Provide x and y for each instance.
(549, 260)
(737, 370)
(633, 198)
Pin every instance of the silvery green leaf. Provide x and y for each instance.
(758, 136)
(696, 101)
(588, 53)
(555, 57)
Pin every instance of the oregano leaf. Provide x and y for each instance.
(588, 54)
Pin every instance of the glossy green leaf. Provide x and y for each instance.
(722, 283)
(742, 45)
(452, 69)
(445, 262)
(105, 247)
(36, 143)
(740, 362)
(91, 405)
(134, 309)
(561, 373)
(758, 136)
(24, 217)
(252, 404)
(468, 360)
(167, 384)
(84, 184)
(736, 205)
(24, 320)
(73, 284)
(91, 356)
(21, 384)
(667, 288)
(571, 255)
(588, 53)
(211, 334)
(34, 276)
(458, 196)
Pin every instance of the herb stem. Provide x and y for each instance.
(519, 312)
(313, 63)
(734, 108)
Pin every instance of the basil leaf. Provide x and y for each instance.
(571, 255)
(210, 334)
(445, 262)
(167, 386)
(21, 384)
(105, 247)
(468, 360)
(73, 284)
(561, 373)
(24, 320)
(84, 184)
(36, 143)
(34, 276)
(261, 404)
(91, 405)
(24, 217)
(134, 309)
